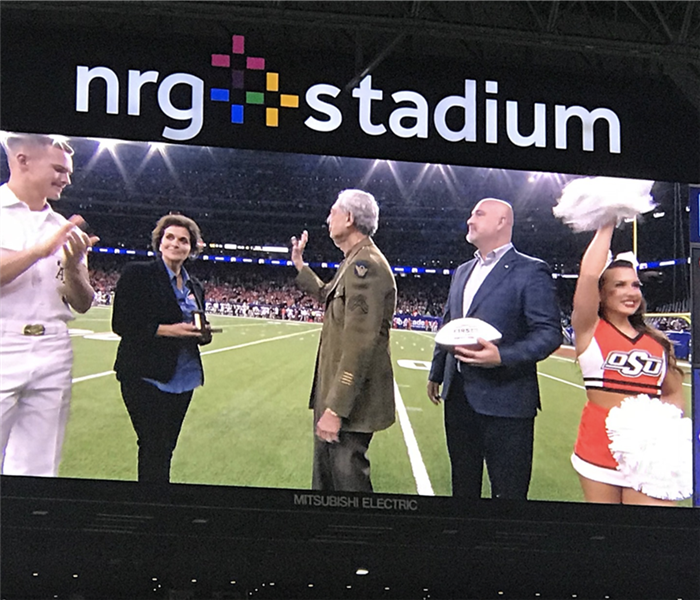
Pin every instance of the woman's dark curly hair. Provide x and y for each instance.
(178, 221)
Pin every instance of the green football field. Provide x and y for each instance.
(249, 425)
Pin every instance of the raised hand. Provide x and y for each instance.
(298, 245)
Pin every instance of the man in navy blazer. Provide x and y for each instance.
(490, 390)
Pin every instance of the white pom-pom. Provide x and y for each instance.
(588, 203)
(652, 444)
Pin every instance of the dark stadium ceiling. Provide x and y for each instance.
(667, 30)
(609, 37)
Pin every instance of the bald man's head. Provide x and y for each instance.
(490, 224)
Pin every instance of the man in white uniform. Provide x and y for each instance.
(43, 273)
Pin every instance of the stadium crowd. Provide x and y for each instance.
(265, 291)
(269, 292)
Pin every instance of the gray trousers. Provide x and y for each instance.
(342, 466)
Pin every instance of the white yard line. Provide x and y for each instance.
(95, 376)
(256, 342)
(562, 358)
(561, 380)
(273, 339)
(420, 474)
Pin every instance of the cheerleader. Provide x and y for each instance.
(631, 377)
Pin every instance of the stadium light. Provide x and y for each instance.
(106, 144)
(554, 182)
(535, 176)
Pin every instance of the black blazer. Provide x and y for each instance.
(143, 300)
(519, 299)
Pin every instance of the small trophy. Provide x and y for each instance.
(201, 323)
(200, 319)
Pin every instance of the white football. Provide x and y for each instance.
(465, 332)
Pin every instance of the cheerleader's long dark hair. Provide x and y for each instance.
(637, 319)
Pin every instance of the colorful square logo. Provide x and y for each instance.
(241, 67)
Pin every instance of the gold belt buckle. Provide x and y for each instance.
(34, 330)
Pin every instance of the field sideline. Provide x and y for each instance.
(250, 426)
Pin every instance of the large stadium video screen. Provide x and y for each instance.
(249, 425)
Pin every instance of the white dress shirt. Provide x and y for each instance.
(484, 265)
(35, 296)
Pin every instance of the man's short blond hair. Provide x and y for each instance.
(14, 142)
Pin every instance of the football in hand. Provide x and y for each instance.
(466, 332)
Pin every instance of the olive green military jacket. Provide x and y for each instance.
(354, 376)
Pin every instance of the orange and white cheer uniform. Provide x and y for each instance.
(615, 363)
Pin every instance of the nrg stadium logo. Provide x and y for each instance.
(246, 91)
(240, 67)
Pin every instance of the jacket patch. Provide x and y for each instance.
(347, 378)
(360, 268)
(359, 302)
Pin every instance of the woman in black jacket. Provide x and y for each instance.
(158, 363)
